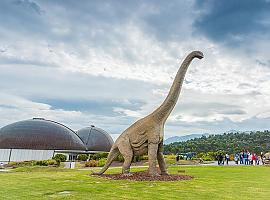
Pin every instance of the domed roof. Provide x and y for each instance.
(95, 139)
(38, 133)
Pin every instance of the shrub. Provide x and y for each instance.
(60, 158)
(42, 162)
(120, 158)
(21, 164)
(103, 156)
(102, 162)
(209, 156)
(172, 157)
(91, 163)
(98, 156)
(32, 163)
(52, 162)
(205, 156)
(139, 158)
(46, 162)
(82, 157)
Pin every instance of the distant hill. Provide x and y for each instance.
(229, 142)
(183, 138)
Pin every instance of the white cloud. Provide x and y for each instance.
(126, 61)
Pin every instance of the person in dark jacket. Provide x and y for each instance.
(177, 158)
(220, 159)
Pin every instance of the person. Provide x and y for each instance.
(177, 158)
(253, 159)
(227, 158)
(241, 157)
(262, 158)
(236, 158)
(245, 157)
(220, 159)
(1, 165)
(257, 160)
(249, 158)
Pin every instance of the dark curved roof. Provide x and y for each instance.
(38, 133)
(95, 139)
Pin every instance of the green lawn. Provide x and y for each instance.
(210, 182)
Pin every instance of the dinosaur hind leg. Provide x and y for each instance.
(161, 161)
(127, 152)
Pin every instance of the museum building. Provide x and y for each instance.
(41, 139)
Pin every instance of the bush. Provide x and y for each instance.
(32, 163)
(82, 157)
(209, 156)
(21, 164)
(139, 158)
(91, 163)
(60, 158)
(120, 158)
(170, 157)
(102, 162)
(98, 156)
(52, 162)
(46, 162)
(42, 162)
(103, 156)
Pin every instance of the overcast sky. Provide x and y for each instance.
(109, 63)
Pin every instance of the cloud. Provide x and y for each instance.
(233, 22)
(109, 63)
(29, 4)
(94, 106)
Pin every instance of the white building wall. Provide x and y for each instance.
(29, 154)
(4, 155)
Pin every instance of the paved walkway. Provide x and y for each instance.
(231, 163)
(4, 170)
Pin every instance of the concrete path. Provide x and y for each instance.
(4, 170)
(231, 163)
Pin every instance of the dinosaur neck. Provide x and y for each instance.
(164, 110)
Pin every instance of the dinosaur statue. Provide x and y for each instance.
(146, 135)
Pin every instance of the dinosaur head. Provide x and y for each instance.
(197, 54)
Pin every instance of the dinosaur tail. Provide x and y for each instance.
(114, 152)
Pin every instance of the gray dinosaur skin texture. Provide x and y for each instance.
(146, 135)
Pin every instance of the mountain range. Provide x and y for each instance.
(184, 138)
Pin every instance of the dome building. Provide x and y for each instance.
(41, 139)
(95, 139)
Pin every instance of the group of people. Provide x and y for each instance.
(247, 158)
(243, 158)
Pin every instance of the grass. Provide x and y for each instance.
(210, 182)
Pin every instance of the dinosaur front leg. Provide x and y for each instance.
(161, 161)
(152, 158)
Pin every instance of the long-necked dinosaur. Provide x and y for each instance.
(146, 135)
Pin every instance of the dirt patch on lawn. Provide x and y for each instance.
(144, 176)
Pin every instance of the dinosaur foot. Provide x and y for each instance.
(154, 174)
(164, 174)
(127, 174)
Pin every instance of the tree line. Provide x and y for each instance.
(256, 142)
